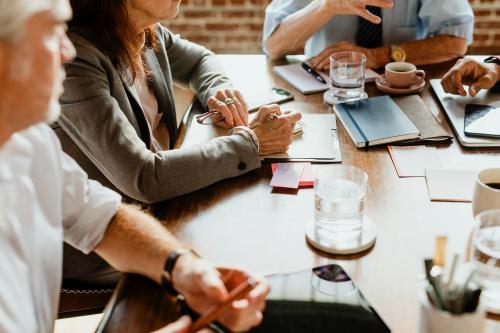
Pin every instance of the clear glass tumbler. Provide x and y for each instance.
(485, 254)
(339, 194)
(347, 76)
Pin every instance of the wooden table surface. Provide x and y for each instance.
(241, 222)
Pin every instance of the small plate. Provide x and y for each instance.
(384, 86)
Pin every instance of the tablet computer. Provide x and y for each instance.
(318, 300)
(482, 121)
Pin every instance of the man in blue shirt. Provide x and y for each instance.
(417, 31)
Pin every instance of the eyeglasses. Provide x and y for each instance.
(210, 117)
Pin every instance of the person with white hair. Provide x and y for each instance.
(45, 196)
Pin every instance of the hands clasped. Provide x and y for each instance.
(274, 129)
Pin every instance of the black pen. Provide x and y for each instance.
(311, 71)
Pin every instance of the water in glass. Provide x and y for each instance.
(486, 256)
(339, 204)
(347, 76)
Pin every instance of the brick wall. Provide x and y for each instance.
(235, 26)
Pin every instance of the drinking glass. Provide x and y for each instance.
(485, 254)
(339, 194)
(347, 76)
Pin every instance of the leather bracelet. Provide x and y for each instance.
(168, 267)
(247, 133)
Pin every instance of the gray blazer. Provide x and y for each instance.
(103, 127)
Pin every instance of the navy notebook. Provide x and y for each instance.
(375, 121)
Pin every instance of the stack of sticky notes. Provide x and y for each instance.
(292, 175)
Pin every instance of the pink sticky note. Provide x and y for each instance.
(307, 177)
(287, 175)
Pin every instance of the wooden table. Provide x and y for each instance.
(241, 222)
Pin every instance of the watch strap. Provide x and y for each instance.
(168, 267)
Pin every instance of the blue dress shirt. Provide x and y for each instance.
(407, 20)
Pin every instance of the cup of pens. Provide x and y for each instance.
(449, 298)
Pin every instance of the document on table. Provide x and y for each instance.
(411, 161)
(319, 142)
(456, 185)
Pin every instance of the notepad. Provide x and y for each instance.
(307, 177)
(375, 121)
(412, 161)
(450, 184)
(304, 82)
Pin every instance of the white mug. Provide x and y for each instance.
(485, 196)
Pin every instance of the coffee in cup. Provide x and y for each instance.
(486, 191)
(402, 74)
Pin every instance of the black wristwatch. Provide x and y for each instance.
(492, 60)
(166, 276)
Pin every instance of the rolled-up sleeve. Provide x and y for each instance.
(276, 12)
(447, 17)
(88, 207)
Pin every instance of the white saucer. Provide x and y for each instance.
(368, 236)
(384, 86)
(329, 99)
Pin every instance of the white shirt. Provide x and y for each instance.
(407, 20)
(44, 197)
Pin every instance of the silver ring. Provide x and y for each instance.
(229, 101)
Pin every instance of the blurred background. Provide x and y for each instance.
(235, 26)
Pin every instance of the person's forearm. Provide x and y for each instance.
(135, 242)
(293, 32)
(434, 50)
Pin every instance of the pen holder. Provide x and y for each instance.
(433, 320)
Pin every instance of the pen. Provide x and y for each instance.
(311, 71)
(215, 311)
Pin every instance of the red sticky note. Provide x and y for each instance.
(307, 176)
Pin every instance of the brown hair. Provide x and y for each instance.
(110, 22)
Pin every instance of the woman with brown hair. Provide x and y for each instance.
(118, 116)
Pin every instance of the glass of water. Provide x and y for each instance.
(339, 194)
(485, 254)
(347, 76)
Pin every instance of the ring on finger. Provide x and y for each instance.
(229, 101)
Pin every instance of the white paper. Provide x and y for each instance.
(450, 184)
(411, 161)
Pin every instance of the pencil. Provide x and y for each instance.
(214, 312)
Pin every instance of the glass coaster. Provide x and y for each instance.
(368, 236)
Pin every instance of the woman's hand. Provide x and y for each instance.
(204, 285)
(472, 73)
(357, 7)
(232, 108)
(274, 129)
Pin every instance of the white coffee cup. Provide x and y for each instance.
(485, 196)
(434, 320)
(402, 74)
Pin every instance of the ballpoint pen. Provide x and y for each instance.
(311, 71)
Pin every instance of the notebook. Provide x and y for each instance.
(304, 82)
(375, 121)
(319, 142)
